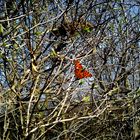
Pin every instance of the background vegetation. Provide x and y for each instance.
(39, 96)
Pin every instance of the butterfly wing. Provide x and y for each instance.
(78, 69)
(78, 64)
(87, 74)
(80, 72)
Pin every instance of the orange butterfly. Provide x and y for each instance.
(80, 72)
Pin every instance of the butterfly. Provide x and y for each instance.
(80, 72)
